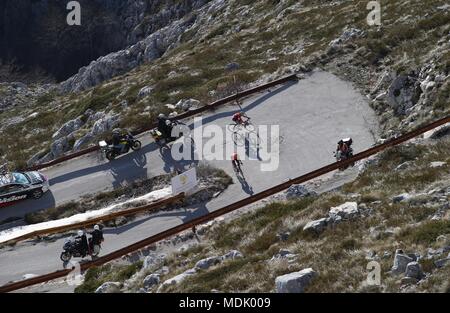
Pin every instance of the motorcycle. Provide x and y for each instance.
(71, 248)
(112, 152)
(162, 140)
(344, 156)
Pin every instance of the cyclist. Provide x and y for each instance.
(236, 162)
(238, 118)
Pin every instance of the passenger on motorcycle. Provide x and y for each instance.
(97, 235)
(118, 140)
(164, 126)
(238, 118)
(82, 243)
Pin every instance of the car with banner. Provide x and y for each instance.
(17, 186)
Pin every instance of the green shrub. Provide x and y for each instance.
(93, 279)
(349, 244)
(427, 232)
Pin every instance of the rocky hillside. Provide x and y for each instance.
(395, 217)
(168, 52)
(35, 38)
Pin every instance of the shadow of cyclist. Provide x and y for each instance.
(244, 184)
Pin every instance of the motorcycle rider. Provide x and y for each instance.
(82, 243)
(164, 126)
(117, 138)
(97, 235)
(343, 147)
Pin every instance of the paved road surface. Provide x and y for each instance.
(312, 115)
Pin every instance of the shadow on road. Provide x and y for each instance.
(121, 164)
(171, 165)
(135, 169)
(23, 207)
(248, 107)
(124, 228)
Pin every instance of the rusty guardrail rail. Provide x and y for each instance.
(180, 116)
(227, 209)
(107, 217)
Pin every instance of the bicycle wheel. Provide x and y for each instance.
(238, 139)
(237, 127)
(230, 127)
(254, 139)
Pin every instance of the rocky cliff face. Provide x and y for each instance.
(34, 34)
(148, 49)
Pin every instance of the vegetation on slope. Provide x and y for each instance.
(263, 37)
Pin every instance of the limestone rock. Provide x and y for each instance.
(401, 261)
(316, 226)
(151, 281)
(298, 191)
(207, 263)
(109, 287)
(295, 282)
(347, 210)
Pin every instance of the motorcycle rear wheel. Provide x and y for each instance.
(136, 145)
(65, 256)
(110, 155)
(95, 251)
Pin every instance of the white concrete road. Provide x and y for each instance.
(313, 114)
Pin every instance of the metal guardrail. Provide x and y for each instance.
(178, 117)
(107, 217)
(227, 209)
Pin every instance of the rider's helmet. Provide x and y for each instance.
(80, 233)
(116, 131)
(161, 115)
(96, 227)
(350, 141)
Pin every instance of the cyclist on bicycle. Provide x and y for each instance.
(236, 162)
(238, 118)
